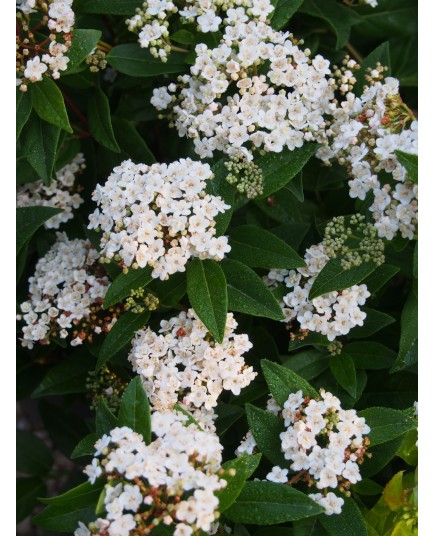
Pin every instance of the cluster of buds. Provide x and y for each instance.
(96, 60)
(141, 300)
(343, 76)
(105, 385)
(246, 176)
(354, 241)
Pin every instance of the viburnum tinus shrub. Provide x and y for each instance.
(217, 210)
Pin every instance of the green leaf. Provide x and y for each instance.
(403, 57)
(268, 503)
(183, 36)
(334, 277)
(283, 11)
(28, 490)
(124, 283)
(407, 355)
(244, 466)
(134, 411)
(28, 221)
(259, 248)
(348, 523)
(266, 429)
(135, 61)
(47, 100)
(170, 292)
(367, 487)
(227, 415)
(24, 108)
(279, 168)
(308, 363)
(370, 355)
(100, 124)
(105, 421)
(379, 55)
(121, 334)
(219, 186)
(408, 450)
(381, 456)
(83, 42)
(374, 321)
(33, 456)
(410, 162)
(380, 276)
(206, 289)
(390, 17)
(68, 376)
(313, 339)
(247, 293)
(131, 142)
(282, 381)
(86, 447)
(337, 16)
(108, 7)
(40, 141)
(344, 371)
(387, 423)
(83, 495)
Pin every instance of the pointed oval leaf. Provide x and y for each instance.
(206, 289)
(344, 371)
(83, 42)
(28, 221)
(348, 523)
(100, 123)
(135, 411)
(387, 423)
(135, 61)
(125, 283)
(47, 100)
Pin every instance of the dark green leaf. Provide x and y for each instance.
(86, 447)
(387, 423)
(390, 17)
(266, 429)
(403, 57)
(219, 186)
(28, 490)
(108, 7)
(247, 293)
(374, 321)
(100, 124)
(227, 415)
(47, 100)
(28, 221)
(367, 487)
(206, 289)
(171, 291)
(105, 421)
(296, 187)
(370, 355)
(121, 334)
(83, 495)
(344, 371)
(83, 42)
(33, 456)
(410, 162)
(407, 355)
(381, 456)
(283, 11)
(380, 55)
(312, 339)
(267, 503)
(334, 277)
(134, 411)
(24, 107)
(282, 381)
(63, 519)
(279, 168)
(135, 61)
(131, 142)
(183, 36)
(380, 276)
(337, 16)
(68, 376)
(124, 283)
(258, 248)
(40, 141)
(348, 523)
(244, 466)
(308, 363)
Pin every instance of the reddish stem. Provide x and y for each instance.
(74, 108)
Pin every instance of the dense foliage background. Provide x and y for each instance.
(105, 113)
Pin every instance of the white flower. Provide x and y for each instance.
(278, 474)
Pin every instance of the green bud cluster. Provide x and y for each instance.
(356, 241)
(335, 348)
(105, 385)
(141, 300)
(97, 61)
(246, 176)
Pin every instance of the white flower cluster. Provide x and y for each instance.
(152, 20)
(170, 481)
(332, 314)
(59, 17)
(256, 90)
(159, 216)
(60, 194)
(325, 443)
(363, 135)
(67, 289)
(183, 364)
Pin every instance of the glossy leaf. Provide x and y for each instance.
(374, 321)
(100, 124)
(408, 342)
(105, 421)
(282, 381)
(24, 108)
(47, 100)
(134, 411)
(266, 429)
(68, 376)
(28, 221)
(108, 7)
(135, 61)
(33, 456)
(370, 355)
(124, 283)
(28, 490)
(283, 11)
(206, 289)
(86, 447)
(410, 162)
(348, 523)
(387, 423)
(83, 42)
(131, 141)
